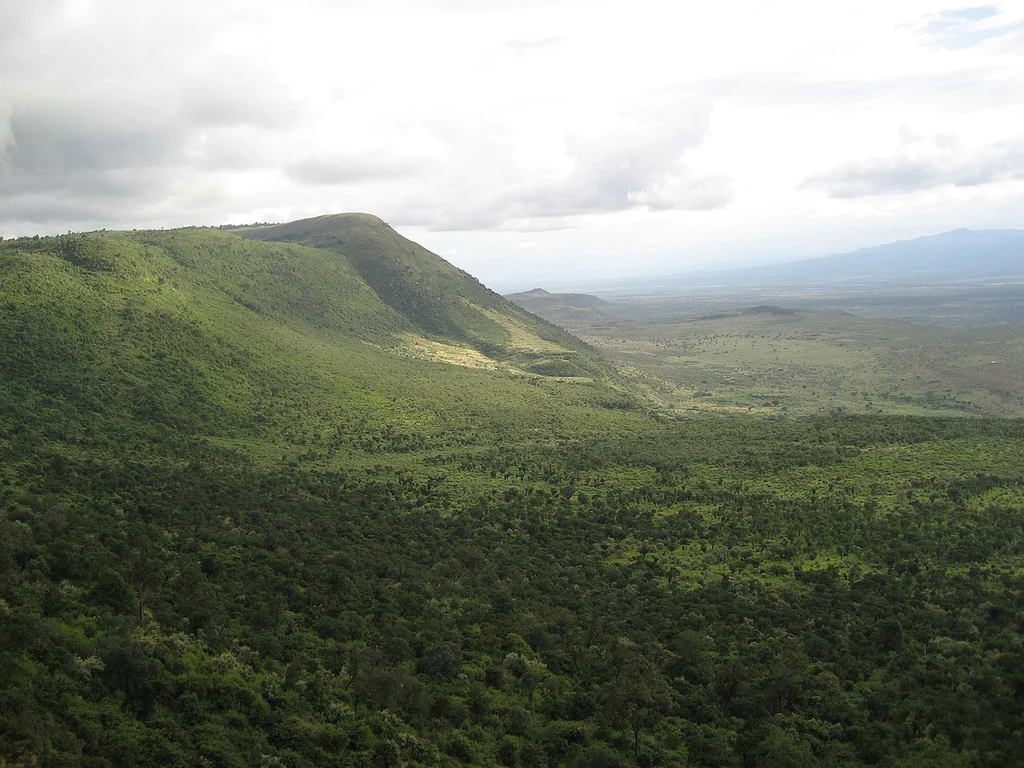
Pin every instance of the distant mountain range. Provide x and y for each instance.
(962, 255)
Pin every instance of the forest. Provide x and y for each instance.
(244, 521)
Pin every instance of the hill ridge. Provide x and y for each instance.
(440, 300)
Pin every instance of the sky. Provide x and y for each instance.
(532, 143)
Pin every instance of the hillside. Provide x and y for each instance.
(262, 505)
(569, 310)
(438, 299)
(206, 331)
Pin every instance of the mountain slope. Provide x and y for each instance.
(180, 327)
(569, 310)
(276, 343)
(436, 298)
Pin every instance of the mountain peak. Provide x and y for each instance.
(346, 217)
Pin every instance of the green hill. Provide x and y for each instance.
(207, 332)
(438, 299)
(570, 310)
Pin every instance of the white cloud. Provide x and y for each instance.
(959, 28)
(342, 170)
(610, 159)
(532, 44)
(924, 163)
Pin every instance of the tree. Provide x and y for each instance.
(146, 573)
(638, 697)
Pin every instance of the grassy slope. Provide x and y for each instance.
(278, 348)
(569, 310)
(438, 299)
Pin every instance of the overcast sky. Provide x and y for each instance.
(535, 142)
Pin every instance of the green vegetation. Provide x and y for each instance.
(438, 299)
(770, 360)
(569, 310)
(256, 509)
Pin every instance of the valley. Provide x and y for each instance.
(786, 362)
(308, 495)
(868, 332)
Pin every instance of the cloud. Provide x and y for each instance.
(6, 138)
(72, 161)
(17, 17)
(109, 157)
(63, 139)
(632, 158)
(233, 101)
(923, 164)
(960, 28)
(975, 87)
(346, 170)
(106, 114)
(533, 44)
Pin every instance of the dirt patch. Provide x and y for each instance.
(447, 353)
(522, 338)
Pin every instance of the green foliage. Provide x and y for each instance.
(241, 525)
(783, 362)
(436, 298)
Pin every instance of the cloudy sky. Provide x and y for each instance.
(535, 142)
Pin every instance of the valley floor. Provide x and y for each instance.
(723, 591)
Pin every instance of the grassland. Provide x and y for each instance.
(791, 362)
